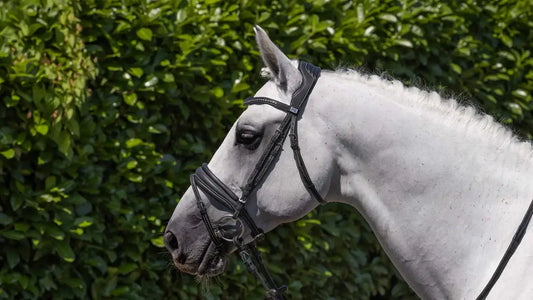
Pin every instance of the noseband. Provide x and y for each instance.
(230, 228)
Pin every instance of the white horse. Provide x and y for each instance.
(443, 187)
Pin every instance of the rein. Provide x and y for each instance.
(230, 229)
(517, 238)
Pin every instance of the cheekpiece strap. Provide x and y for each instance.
(310, 74)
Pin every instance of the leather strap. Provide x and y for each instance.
(302, 95)
(215, 189)
(517, 238)
(275, 103)
(310, 75)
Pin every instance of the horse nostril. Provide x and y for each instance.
(170, 241)
(181, 258)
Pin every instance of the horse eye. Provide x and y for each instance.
(249, 139)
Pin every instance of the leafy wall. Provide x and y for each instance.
(107, 106)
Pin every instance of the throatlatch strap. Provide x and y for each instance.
(299, 100)
(302, 170)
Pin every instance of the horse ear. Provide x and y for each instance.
(284, 73)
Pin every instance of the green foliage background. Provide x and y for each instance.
(107, 106)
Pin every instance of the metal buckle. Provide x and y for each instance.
(276, 293)
(293, 110)
(259, 237)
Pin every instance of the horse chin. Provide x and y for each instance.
(213, 263)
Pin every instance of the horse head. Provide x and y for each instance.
(276, 194)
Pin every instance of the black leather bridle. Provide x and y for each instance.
(230, 229)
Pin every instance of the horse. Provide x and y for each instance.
(443, 187)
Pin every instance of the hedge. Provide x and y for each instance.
(107, 106)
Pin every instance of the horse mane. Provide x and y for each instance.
(449, 110)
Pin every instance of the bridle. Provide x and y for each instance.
(230, 229)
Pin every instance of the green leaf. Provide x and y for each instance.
(132, 164)
(120, 291)
(514, 108)
(168, 77)
(49, 198)
(151, 82)
(84, 208)
(138, 178)
(9, 154)
(5, 219)
(49, 183)
(47, 282)
(38, 92)
(13, 257)
(404, 43)
(75, 283)
(83, 222)
(389, 17)
(109, 286)
(241, 86)
(23, 280)
(130, 98)
(16, 200)
(13, 235)
(135, 71)
(127, 268)
(133, 142)
(145, 34)
(218, 92)
(456, 68)
(64, 250)
(11, 101)
(54, 231)
(64, 143)
(157, 128)
(158, 242)
(520, 93)
(22, 227)
(42, 128)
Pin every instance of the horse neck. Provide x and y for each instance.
(443, 201)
